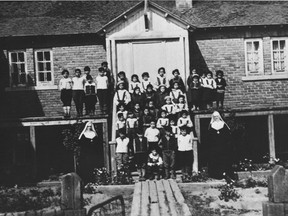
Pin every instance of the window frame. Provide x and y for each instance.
(274, 72)
(44, 83)
(261, 57)
(11, 84)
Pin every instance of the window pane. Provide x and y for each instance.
(275, 45)
(23, 78)
(14, 68)
(256, 45)
(41, 77)
(47, 56)
(249, 46)
(249, 56)
(48, 66)
(21, 57)
(22, 66)
(282, 65)
(49, 78)
(39, 56)
(40, 66)
(282, 55)
(282, 44)
(13, 57)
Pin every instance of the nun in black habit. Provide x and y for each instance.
(219, 148)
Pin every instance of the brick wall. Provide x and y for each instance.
(35, 103)
(225, 51)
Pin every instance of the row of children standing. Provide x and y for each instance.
(84, 90)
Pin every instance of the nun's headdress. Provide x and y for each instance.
(88, 134)
(217, 125)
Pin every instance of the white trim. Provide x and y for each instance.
(265, 77)
(261, 62)
(10, 66)
(39, 83)
(285, 53)
(31, 88)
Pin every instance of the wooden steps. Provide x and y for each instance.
(158, 198)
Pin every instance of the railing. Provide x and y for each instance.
(108, 207)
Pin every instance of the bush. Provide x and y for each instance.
(16, 200)
(228, 192)
(103, 177)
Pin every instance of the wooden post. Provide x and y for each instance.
(112, 152)
(71, 195)
(271, 137)
(106, 145)
(197, 127)
(195, 153)
(33, 143)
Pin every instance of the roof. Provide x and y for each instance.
(74, 17)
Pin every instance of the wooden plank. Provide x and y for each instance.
(197, 126)
(145, 210)
(179, 198)
(195, 154)
(112, 146)
(164, 208)
(33, 144)
(136, 203)
(170, 198)
(153, 198)
(271, 137)
(106, 145)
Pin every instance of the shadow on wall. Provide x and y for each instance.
(16, 104)
(197, 61)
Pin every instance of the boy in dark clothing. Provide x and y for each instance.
(177, 78)
(140, 148)
(168, 144)
(220, 88)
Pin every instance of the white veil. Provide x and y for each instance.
(89, 134)
(217, 125)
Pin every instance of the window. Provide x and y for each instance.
(278, 56)
(18, 68)
(44, 67)
(253, 57)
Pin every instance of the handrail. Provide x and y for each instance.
(108, 201)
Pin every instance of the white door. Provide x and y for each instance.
(148, 56)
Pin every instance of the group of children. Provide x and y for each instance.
(84, 90)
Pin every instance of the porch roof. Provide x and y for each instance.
(34, 18)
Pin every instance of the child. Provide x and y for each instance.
(108, 73)
(122, 150)
(140, 147)
(65, 86)
(122, 77)
(122, 95)
(174, 128)
(169, 107)
(134, 83)
(152, 109)
(209, 85)
(78, 91)
(182, 105)
(131, 125)
(153, 135)
(184, 120)
(146, 118)
(160, 96)
(90, 95)
(220, 88)
(137, 112)
(176, 92)
(161, 78)
(162, 122)
(185, 150)
(168, 145)
(154, 164)
(137, 97)
(178, 79)
(120, 124)
(102, 89)
(201, 80)
(194, 92)
(145, 81)
(87, 71)
(150, 94)
(122, 110)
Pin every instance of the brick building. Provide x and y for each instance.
(245, 39)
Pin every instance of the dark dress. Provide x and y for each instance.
(219, 152)
(194, 94)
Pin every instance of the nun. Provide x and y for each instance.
(219, 148)
(87, 151)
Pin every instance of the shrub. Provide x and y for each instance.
(103, 177)
(228, 192)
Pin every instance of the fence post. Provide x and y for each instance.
(71, 195)
(195, 154)
(277, 193)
